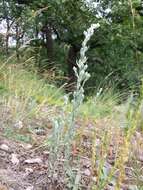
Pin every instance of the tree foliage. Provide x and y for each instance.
(54, 29)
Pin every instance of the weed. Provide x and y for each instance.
(64, 130)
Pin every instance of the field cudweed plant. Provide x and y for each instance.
(64, 130)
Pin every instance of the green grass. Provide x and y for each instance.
(18, 81)
(25, 95)
(11, 134)
(24, 92)
(100, 105)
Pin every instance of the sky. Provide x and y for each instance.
(2, 27)
(3, 31)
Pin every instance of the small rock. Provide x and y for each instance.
(14, 159)
(40, 132)
(4, 147)
(110, 187)
(55, 177)
(46, 152)
(138, 135)
(33, 161)
(28, 171)
(94, 179)
(26, 146)
(30, 188)
(86, 163)
(18, 125)
(2, 187)
(87, 172)
(133, 187)
(140, 158)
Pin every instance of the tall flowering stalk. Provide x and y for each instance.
(81, 70)
(78, 96)
(81, 73)
(61, 138)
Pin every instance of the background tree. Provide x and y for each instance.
(54, 30)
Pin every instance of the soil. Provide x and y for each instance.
(26, 166)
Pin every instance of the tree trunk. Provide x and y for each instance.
(49, 42)
(71, 61)
(37, 48)
(5, 14)
(17, 43)
(7, 36)
(7, 44)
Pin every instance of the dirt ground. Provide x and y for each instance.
(25, 167)
(16, 173)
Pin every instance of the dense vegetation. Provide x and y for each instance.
(71, 94)
(53, 32)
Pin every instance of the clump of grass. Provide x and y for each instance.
(116, 174)
(25, 93)
(101, 105)
(25, 97)
(10, 134)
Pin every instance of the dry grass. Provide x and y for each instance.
(107, 148)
